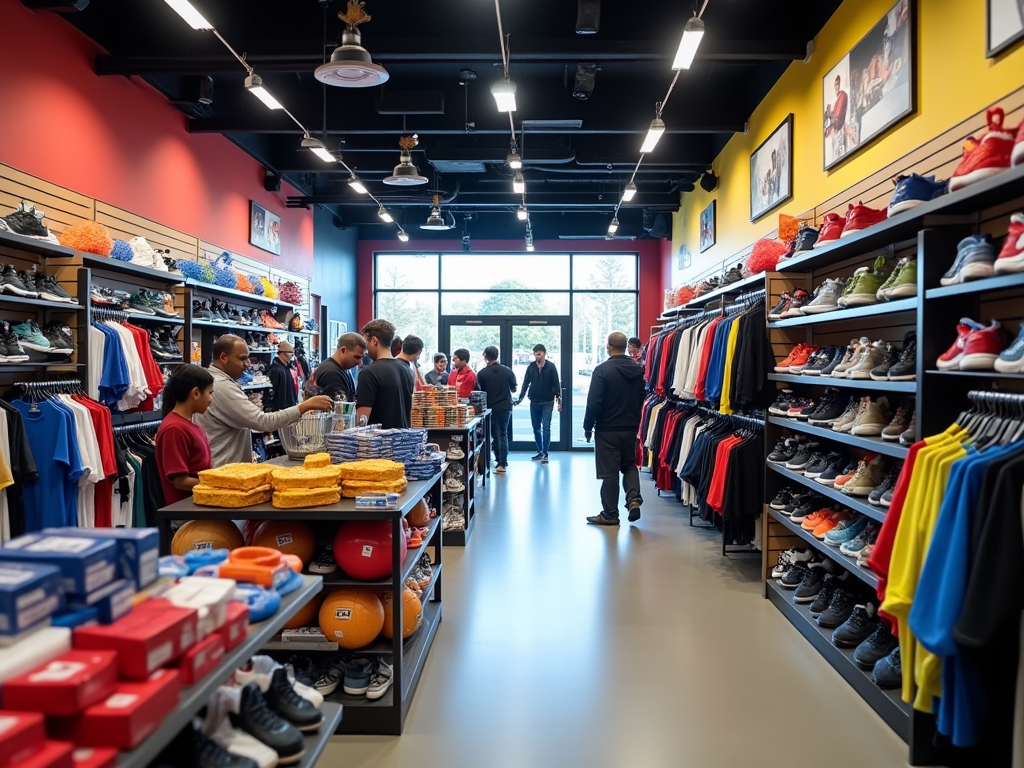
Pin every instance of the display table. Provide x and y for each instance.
(387, 714)
(476, 444)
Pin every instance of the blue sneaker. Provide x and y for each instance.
(846, 531)
(913, 190)
(30, 336)
(357, 676)
(975, 257)
(1011, 359)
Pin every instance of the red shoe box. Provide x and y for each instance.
(54, 754)
(146, 639)
(236, 627)
(88, 757)
(200, 660)
(21, 734)
(64, 685)
(126, 718)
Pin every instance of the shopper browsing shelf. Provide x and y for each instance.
(541, 384)
(384, 394)
(232, 416)
(613, 407)
(182, 448)
(286, 393)
(499, 382)
(438, 375)
(462, 378)
(333, 377)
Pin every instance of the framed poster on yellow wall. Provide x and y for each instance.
(1005, 22)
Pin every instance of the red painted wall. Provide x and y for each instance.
(118, 140)
(655, 266)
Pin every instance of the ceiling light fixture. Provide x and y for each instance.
(350, 65)
(357, 184)
(405, 174)
(518, 183)
(254, 85)
(654, 134)
(514, 160)
(629, 192)
(187, 11)
(692, 34)
(318, 148)
(521, 214)
(614, 225)
(384, 215)
(504, 92)
(403, 235)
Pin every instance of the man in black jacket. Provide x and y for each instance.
(280, 372)
(613, 406)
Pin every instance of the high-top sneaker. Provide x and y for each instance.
(255, 718)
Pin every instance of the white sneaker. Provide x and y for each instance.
(217, 725)
(263, 669)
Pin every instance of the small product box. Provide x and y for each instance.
(53, 754)
(377, 501)
(40, 646)
(236, 625)
(208, 596)
(82, 617)
(65, 685)
(149, 637)
(126, 717)
(21, 734)
(94, 757)
(111, 602)
(138, 550)
(200, 660)
(86, 564)
(29, 594)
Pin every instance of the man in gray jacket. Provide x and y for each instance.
(232, 416)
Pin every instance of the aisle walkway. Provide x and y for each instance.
(567, 645)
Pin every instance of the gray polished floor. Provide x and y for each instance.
(564, 644)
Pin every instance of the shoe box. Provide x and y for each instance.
(64, 685)
(138, 550)
(85, 564)
(29, 594)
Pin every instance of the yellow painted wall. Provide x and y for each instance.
(954, 81)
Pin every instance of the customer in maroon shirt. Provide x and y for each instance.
(182, 448)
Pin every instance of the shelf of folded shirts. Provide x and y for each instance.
(829, 381)
(219, 290)
(851, 502)
(19, 301)
(33, 245)
(988, 285)
(106, 264)
(853, 313)
(746, 284)
(874, 444)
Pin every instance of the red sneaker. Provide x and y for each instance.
(983, 348)
(986, 156)
(1017, 156)
(950, 359)
(831, 229)
(1011, 257)
(860, 217)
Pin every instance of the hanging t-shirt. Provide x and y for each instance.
(182, 448)
(51, 433)
(386, 389)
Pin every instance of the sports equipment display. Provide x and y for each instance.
(352, 617)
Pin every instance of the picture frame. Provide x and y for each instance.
(707, 226)
(1004, 25)
(872, 88)
(771, 170)
(264, 228)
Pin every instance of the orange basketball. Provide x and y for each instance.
(292, 537)
(351, 617)
(308, 615)
(420, 515)
(412, 613)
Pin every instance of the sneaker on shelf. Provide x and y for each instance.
(892, 474)
(845, 531)
(871, 356)
(11, 350)
(840, 468)
(879, 644)
(872, 419)
(839, 609)
(825, 360)
(323, 561)
(975, 260)
(831, 229)
(799, 298)
(900, 421)
(826, 297)
(905, 367)
(11, 282)
(868, 476)
(806, 237)
(860, 217)
(252, 715)
(861, 624)
(48, 289)
(357, 676)
(830, 410)
(381, 677)
(813, 580)
(780, 307)
(829, 586)
(331, 676)
(888, 671)
(987, 156)
(902, 283)
(857, 543)
(868, 282)
(1011, 255)
(801, 358)
(781, 405)
(1011, 359)
(788, 559)
(913, 190)
(31, 337)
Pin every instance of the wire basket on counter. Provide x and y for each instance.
(307, 435)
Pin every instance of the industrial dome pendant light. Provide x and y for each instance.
(405, 174)
(434, 221)
(350, 65)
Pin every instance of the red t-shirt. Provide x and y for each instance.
(464, 380)
(182, 448)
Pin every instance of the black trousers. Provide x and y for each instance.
(615, 454)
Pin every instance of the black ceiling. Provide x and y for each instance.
(574, 175)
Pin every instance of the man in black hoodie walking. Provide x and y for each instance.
(613, 407)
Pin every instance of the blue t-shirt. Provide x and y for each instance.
(53, 501)
(114, 379)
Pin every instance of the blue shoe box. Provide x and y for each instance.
(138, 550)
(111, 602)
(86, 564)
(30, 594)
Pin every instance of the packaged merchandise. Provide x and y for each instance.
(352, 488)
(210, 597)
(37, 647)
(200, 660)
(53, 754)
(65, 685)
(209, 496)
(126, 717)
(21, 734)
(86, 564)
(111, 602)
(314, 497)
(29, 594)
(378, 470)
(94, 757)
(317, 461)
(236, 477)
(298, 478)
(138, 550)
(236, 625)
(149, 637)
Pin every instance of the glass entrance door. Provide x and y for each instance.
(515, 338)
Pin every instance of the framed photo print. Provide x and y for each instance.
(264, 229)
(771, 171)
(872, 87)
(707, 227)
(1005, 23)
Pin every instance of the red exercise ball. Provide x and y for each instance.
(362, 549)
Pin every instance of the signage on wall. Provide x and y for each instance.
(264, 229)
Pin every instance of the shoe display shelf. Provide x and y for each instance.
(193, 699)
(476, 462)
(362, 716)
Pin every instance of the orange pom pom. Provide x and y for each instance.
(89, 236)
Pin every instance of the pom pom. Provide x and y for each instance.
(765, 255)
(257, 285)
(89, 236)
(190, 269)
(121, 251)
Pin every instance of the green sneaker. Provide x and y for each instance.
(868, 282)
(903, 283)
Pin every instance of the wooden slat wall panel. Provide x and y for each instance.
(125, 225)
(61, 206)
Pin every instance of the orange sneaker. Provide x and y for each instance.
(783, 365)
(815, 519)
(987, 156)
(829, 523)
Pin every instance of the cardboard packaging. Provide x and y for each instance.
(86, 564)
(65, 685)
(29, 594)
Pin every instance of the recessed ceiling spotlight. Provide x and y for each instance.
(350, 65)
(405, 174)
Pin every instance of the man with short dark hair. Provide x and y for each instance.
(541, 383)
(499, 382)
(613, 407)
(462, 378)
(438, 375)
(634, 346)
(384, 393)
(333, 376)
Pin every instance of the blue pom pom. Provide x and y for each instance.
(121, 251)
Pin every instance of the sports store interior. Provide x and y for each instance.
(810, 214)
